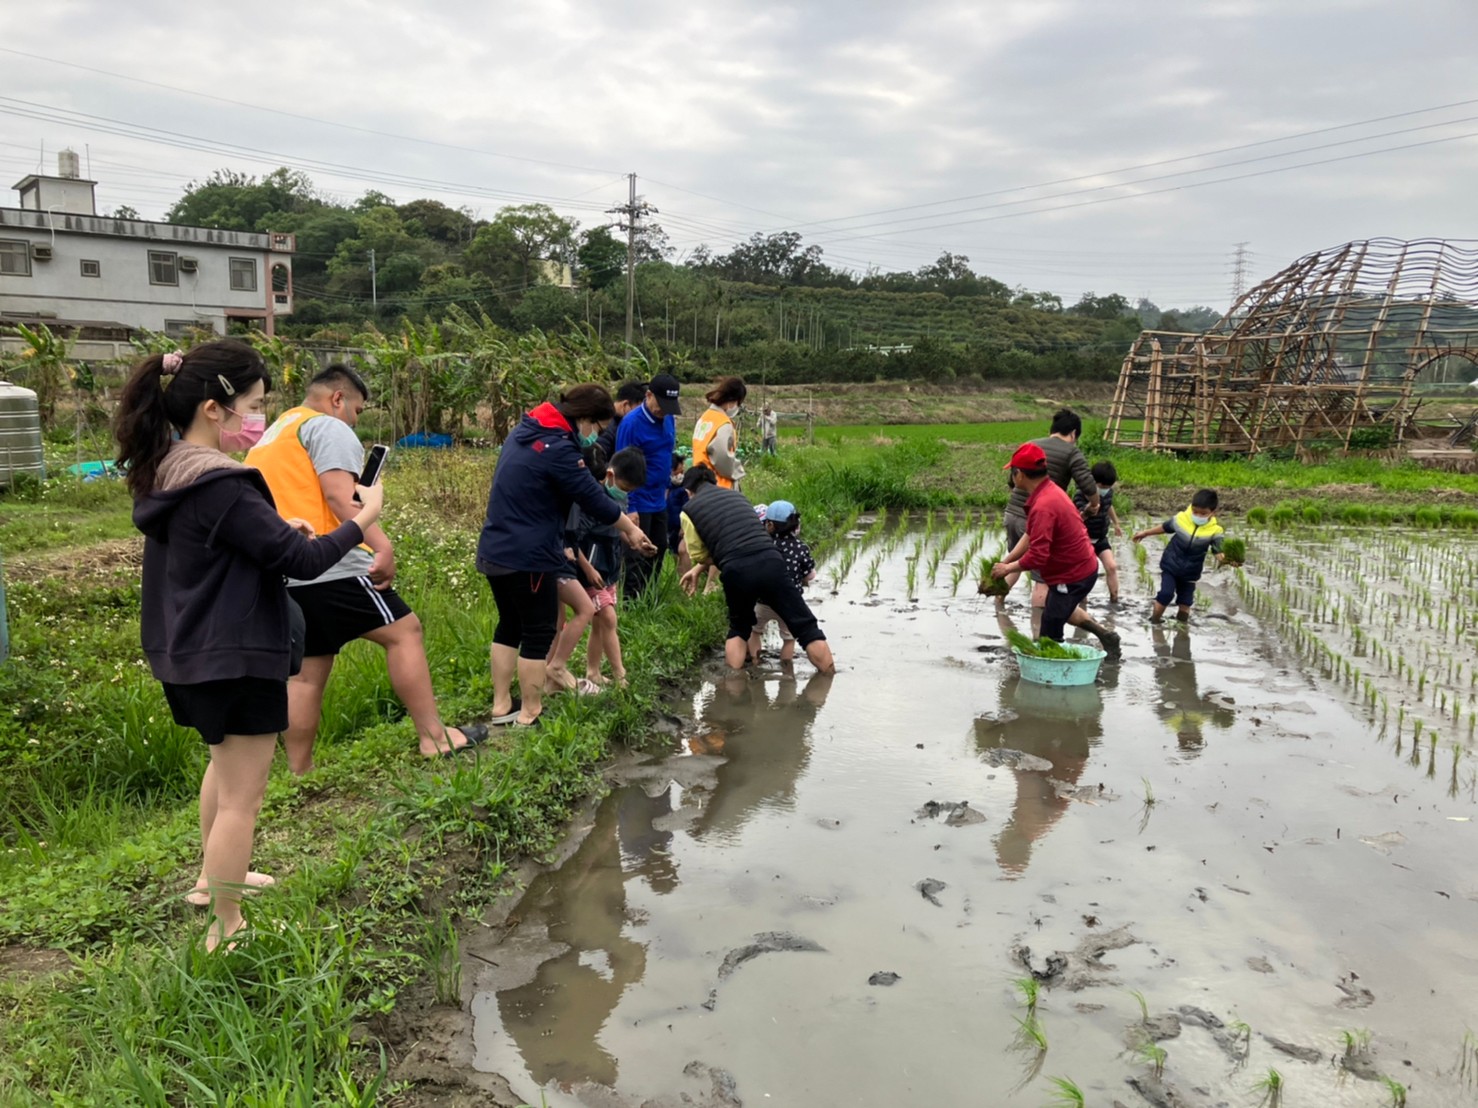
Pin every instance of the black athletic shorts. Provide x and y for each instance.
(765, 580)
(1101, 544)
(235, 706)
(338, 612)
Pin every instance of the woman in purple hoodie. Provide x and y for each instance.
(214, 622)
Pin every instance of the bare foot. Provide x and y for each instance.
(597, 679)
(215, 937)
(620, 679)
(558, 679)
(255, 883)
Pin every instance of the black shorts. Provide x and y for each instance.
(338, 612)
(1101, 544)
(763, 580)
(235, 706)
(1062, 601)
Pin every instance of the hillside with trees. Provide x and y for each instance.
(769, 305)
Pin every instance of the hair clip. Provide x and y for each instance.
(225, 384)
(172, 362)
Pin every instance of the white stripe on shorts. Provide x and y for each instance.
(379, 601)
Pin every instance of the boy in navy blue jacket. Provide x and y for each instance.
(1193, 533)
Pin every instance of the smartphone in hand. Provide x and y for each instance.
(374, 465)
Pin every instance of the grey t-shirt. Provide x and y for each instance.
(1065, 462)
(332, 444)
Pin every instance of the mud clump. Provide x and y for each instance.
(1162, 1094)
(956, 813)
(1082, 967)
(883, 977)
(930, 888)
(1293, 1050)
(767, 942)
(1002, 757)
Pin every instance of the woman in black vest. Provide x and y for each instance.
(722, 530)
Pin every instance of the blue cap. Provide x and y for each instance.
(781, 511)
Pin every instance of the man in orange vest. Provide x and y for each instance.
(311, 459)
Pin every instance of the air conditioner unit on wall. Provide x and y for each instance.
(189, 265)
(41, 252)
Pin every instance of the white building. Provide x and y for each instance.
(64, 265)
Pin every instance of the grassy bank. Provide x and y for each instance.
(105, 993)
(966, 468)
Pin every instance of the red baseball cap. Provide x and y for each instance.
(1028, 456)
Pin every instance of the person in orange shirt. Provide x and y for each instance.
(715, 439)
(311, 458)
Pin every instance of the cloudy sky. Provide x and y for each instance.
(1071, 145)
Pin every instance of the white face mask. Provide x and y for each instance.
(1200, 521)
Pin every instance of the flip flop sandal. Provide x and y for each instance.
(586, 687)
(475, 733)
(509, 716)
(526, 726)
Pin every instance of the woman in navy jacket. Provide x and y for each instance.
(214, 621)
(539, 475)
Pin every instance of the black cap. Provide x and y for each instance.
(665, 388)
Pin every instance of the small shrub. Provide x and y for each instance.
(1312, 515)
(1258, 517)
(1428, 517)
(1283, 517)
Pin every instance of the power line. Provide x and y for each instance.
(1177, 188)
(1164, 176)
(1170, 161)
(306, 118)
(122, 128)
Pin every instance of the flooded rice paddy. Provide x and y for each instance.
(1248, 847)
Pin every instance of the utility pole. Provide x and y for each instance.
(632, 210)
(374, 282)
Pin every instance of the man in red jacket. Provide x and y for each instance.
(1056, 545)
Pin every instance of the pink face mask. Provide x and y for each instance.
(253, 427)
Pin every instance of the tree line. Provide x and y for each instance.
(768, 304)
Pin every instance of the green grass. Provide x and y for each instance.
(972, 454)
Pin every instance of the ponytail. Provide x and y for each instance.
(163, 394)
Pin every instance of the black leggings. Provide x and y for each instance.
(528, 612)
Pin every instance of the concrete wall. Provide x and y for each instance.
(123, 291)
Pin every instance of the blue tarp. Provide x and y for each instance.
(424, 438)
(93, 471)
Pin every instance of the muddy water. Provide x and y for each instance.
(726, 929)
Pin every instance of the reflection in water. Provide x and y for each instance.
(585, 905)
(1182, 706)
(584, 902)
(765, 742)
(1058, 724)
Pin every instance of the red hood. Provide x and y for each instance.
(547, 415)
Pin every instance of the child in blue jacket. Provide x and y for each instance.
(1193, 533)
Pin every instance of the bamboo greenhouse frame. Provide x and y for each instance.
(1331, 346)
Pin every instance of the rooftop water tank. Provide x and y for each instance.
(20, 435)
